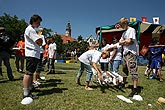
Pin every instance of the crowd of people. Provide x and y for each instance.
(155, 56)
(32, 47)
(125, 50)
(38, 51)
(129, 43)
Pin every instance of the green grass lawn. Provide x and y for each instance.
(60, 92)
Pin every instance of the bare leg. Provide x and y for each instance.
(27, 81)
(87, 86)
(159, 74)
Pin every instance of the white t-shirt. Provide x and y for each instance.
(130, 33)
(90, 56)
(31, 48)
(106, 60)
(43, 43)
(118, 55)
(106, 47)
(52, 50)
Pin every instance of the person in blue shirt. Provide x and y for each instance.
(156, 51)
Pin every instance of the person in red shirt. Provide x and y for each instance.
(20, 54)
(45, 56)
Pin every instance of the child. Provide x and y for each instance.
(88, 58)
(45, 55)
(20, 54)
(39, 65)
(32, 53)
(156, 51)
(52, 55)
(104, 62)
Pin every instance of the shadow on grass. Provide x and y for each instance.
(58, 72)
(139, 88)
(110, 87)
(3, 81)
(51, 83)
(67, 68)
(51, 91)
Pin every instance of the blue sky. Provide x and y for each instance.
(84, 15)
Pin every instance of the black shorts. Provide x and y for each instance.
(31, 65)
(39, 65)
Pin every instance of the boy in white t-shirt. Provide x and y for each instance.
(104, 62)
(115, 60)
(88, 58)
(39, 65)
(52, 56)
(129, 43)
(32, 53)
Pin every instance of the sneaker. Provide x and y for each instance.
(21, 71)
(32, 96)
(36, 84)
(42, 78)
(78, 83)
(134, 92)
(120, 86)
(88, 89)
(151, 77)
(11, 79)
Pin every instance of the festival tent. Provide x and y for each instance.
(145, 32)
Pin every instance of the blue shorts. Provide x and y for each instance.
(155, 64)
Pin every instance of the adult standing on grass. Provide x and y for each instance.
(129, 43)
(6, 43)
(32, 53)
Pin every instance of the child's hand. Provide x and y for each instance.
(100, 77)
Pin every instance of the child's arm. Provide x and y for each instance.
(39, 41)
(113, 54)
(98, 70)
(152, 46)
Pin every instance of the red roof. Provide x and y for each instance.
(67, 38)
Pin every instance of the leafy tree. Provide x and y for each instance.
(47, 32)
(13, 26)
(80, 38)
(59, 43)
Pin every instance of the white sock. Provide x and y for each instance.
(26, 91)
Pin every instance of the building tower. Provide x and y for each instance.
(68, 29)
